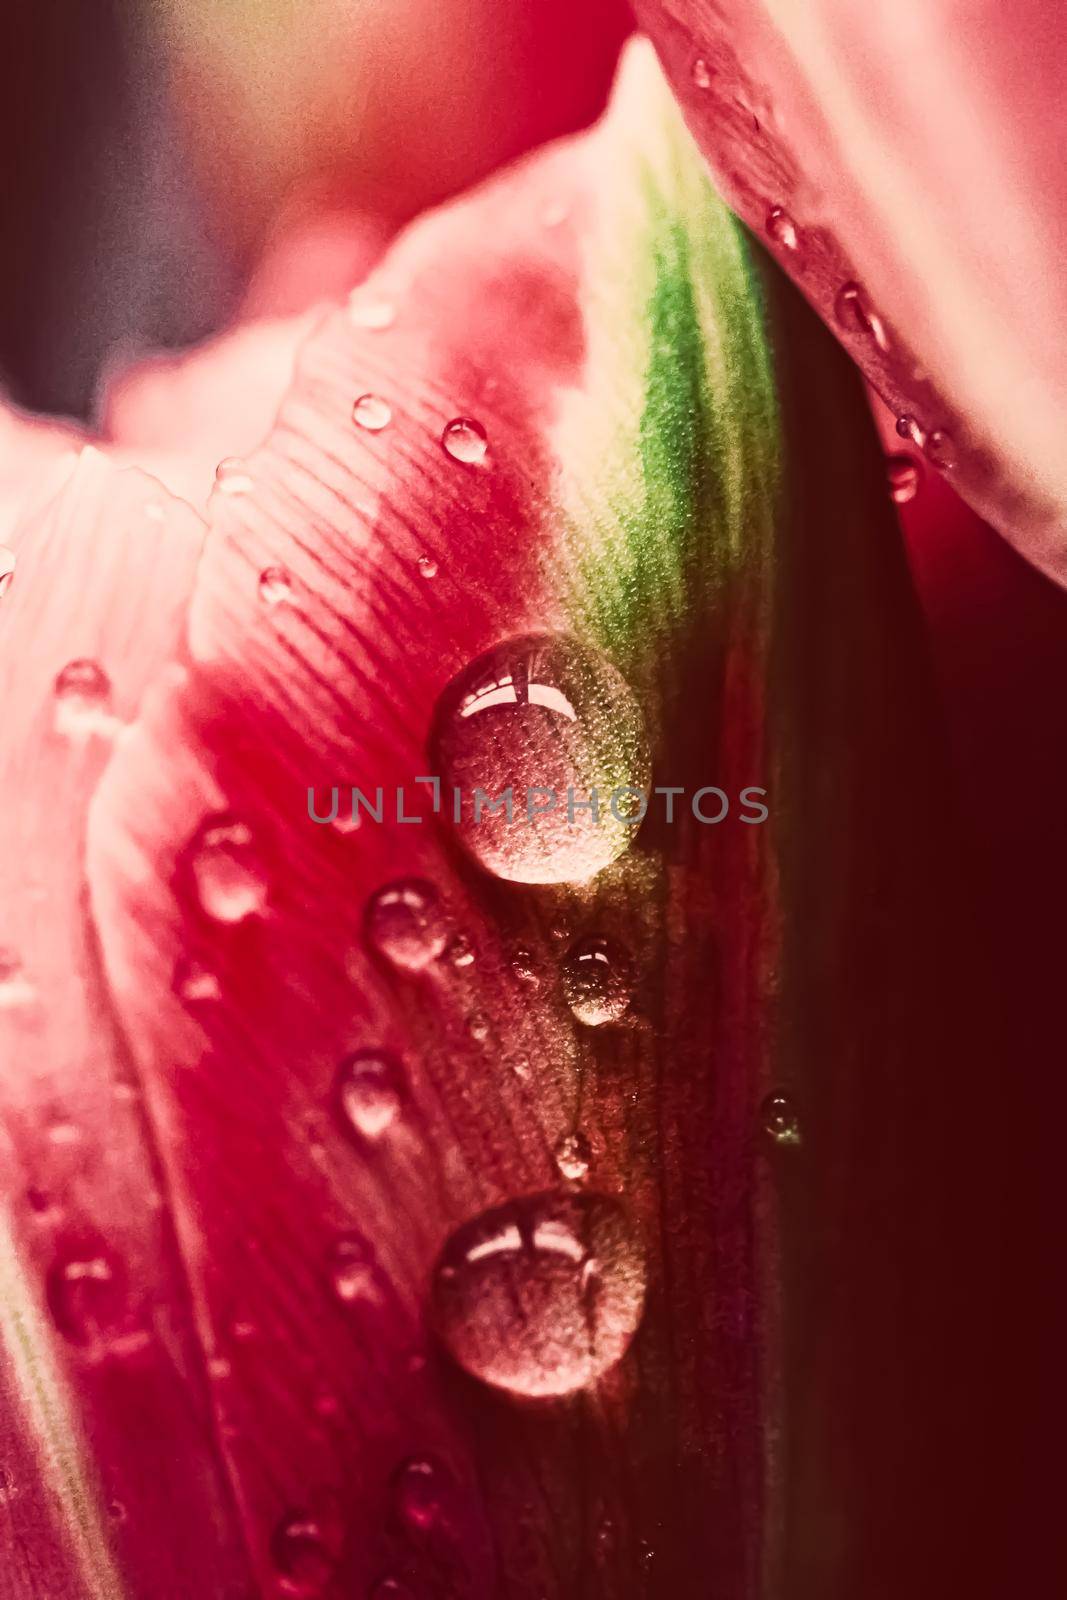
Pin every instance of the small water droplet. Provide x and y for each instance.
(86, 1296)
(909, 428)
(478, 1026)
(464, 439)
(275, 586)
(573, 1156)
(372, 413)
(220, 1368)
(302, 1554)
(7, 569)
(702, 73)
(230, 880)
(355, 1273)
(367, 312)
(390, 1588)
(428, 566)
(904, 474)
(542, 1295)
(781, 228)
(460, 952)
(232, 476)
(524, 966)
(780, 1119)
(195, 983)
(598, 980)
(941, 449)
(83, 700)
(15, 988)
(853, 310)
(406, 923)
(369, 1085)
(421, 1488)
(555, 724)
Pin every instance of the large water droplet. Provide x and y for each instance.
(464, 440)
(598, 980)
(230, 879)
(782, 229)
(904, 474)
(781, 1121)
(554, 724)
(302, 1554)
(854, 311)
(369, 1086)
(372, 413)
(7, 569)
(406, 922)
(542, 1295)
(83, 700)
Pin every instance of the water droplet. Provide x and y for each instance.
(229, 875)
(355, 1273)
(904, 474)
(372, 413)
(275, 586)
(598, 980)
(555, 724)
(15, 988)
(390, 1588)
(573, 1156)
(909, 428)
(232, 476)
(702, 73)
(421, 1488)
(220, 1368)
(7, 569)
(302, 1555)
(194, 983)
(854, 310)
(86, 1296)
(542, 1295)
(428, 566)
(478, 1026)
(369, 313)
(941, 449)
(780, 1120)
(406, 923)
(524, 966)
(464, 440)
(83, 700)
(460, 952)
(369, 1085)
(781, 228)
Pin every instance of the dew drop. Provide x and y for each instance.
(7, 569)
(375, 315)
(781, 228)
(460, 952)
(542, 1295)
(853, 310)
(369, 1085)
(780, 1120)
(83, 700)
(372, 413)
(573, 1156)
(464, 440)
(406, 923)
(909, 428)
(86, 1296)
(232, 476)
(230, 880)
(355, 1273)
(524, 966)
(302, 1555)
(941, 449)
(598, 980)
(478, 1026)
(275, 586)
(427, 566)
(555, 723)
(15, 988)
(390, 1588)
(702, 73)
(904, 474)
(195, 984)
(421, 1489)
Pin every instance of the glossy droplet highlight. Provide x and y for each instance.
(230, 880)
(15, 988)
(421, 1488)
(781, 1122)
(464, 440)
(232, 476)
(909, 428)
(904, 475)
(86, 1296)
(543, 1295)
(369, 1089)
(941, 449)
(7, 569)
(83, 700)
(372, 413)
(702, 74)
(406, 923)
(303, 1555)
(573, 1157)
(598, 980)
(427, 566)
(195, 984)
(553, 724)
(782, 229)
(854, 311)
(355, 1273)
(275, 586)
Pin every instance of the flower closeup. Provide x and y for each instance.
(502, 1004)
